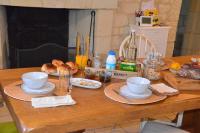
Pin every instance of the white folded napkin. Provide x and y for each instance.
(164, 89)
(52, 101)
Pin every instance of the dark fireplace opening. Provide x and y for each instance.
(37, 35)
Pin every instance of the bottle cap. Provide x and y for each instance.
(111, 52)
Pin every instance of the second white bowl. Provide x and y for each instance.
(138, 85)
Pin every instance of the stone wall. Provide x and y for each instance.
(124, 16)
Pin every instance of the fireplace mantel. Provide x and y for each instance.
(72, 4)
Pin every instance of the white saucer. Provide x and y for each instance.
(49, 87)
(124, 91)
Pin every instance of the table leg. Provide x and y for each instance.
(191, 121)
(196, 121)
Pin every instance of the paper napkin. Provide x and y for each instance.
(163, 89)
(52, 101)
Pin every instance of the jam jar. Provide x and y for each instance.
(152, 70)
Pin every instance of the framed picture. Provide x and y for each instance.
(146, 20)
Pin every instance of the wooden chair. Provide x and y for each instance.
(143, 44)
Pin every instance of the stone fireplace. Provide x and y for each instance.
(79, 12)
(36, 35)
(113, 18)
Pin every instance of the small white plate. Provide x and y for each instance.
(47, 88)
(86, 83)
(124, 91)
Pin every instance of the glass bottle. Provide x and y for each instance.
(97, 61)
(132, 48)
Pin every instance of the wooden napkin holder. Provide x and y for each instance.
(118, 74)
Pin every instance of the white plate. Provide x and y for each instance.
(124, 91)
(86, 83)
(49, 87)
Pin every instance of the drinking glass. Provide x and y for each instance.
(81, 61)
(65, 86)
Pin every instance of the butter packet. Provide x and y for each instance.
(128, 66)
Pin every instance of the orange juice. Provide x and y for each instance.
(81, 60)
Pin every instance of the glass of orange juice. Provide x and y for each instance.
(81, 61)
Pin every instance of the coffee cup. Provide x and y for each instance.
(138, 85)
(34, 80)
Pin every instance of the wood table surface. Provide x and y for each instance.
(93, 108)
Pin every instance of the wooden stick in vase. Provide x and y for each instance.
(89, 61)
(78, 40)
(87, 47)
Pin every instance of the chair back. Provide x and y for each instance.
(143, 44)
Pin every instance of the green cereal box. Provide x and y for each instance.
(128, 66)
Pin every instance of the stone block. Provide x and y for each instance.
(172, 34)
(30, 3)
(115, 31)
(5, 2)
(72, 4)
(124, 31)
(129, 7)
(170, 49)
(55, 4)
(116, 41)
(120, 20)
(102, 44)
(104, 22)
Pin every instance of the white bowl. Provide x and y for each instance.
(35, 80)
(138, 85)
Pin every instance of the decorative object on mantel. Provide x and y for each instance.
(148, 14)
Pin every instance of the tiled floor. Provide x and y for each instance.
(4, 115)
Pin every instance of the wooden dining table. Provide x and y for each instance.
(93, 108)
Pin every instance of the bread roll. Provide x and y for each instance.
(73, 66)
(70, 64)
(57, 63)
(49, 68)
(63, 69)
